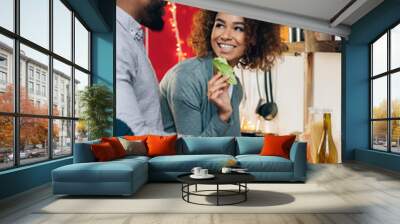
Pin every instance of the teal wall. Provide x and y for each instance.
(24, 178)
(102, 59)
(99, 16)
(357, 99)
(103, 46)
(379, 159)
(356, 82)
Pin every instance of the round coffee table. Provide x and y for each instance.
(238, 179)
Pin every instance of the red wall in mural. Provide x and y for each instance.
(162, 45)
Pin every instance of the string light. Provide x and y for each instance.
(174, 24)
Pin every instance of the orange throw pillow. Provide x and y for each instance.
(136, 137)
(103, 152)
(277, 145)
(161, 145)
(116, 145)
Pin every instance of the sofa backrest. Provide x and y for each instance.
(206, 145)
(83, 152)
(249, 145)
(190, 146)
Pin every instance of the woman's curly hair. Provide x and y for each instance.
(261, 54)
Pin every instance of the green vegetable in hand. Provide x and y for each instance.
(221, 64)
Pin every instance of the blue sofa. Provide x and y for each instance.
(125, 176)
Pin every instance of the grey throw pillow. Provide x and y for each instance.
(137, 148)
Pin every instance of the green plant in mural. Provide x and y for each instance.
(96, 102)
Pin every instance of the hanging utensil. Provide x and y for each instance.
(269, 109)
(262, 101)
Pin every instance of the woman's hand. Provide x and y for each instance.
(219, 95)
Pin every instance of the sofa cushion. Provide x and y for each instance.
(103, 152)
(134, 147)
(93, 172)
(161, 145)
(207, 145)
(133, 158)
(249, 145)
(277, 145)
(185, 163)
(257, 163)
(112, 171)
(116, 145)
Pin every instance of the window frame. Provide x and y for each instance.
(16, 115)
(388, 74)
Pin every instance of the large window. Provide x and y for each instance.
(44, 64)
(385, 91)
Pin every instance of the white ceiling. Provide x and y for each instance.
(320, 9)
(316, 15)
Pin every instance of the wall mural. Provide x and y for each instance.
(294, 87)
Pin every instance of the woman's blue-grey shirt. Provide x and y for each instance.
(185, 106)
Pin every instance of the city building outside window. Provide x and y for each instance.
(38, 89)
(3, 72)
(30, 72)
(3, 61)
(55, 95)
(30, 87)
(56, 129)
(3, 78)
(43, 90)
(44, 77)
(37, 74)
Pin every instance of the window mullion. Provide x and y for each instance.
(16, 70)
(89, 62)
(73, 82)
(50, 81)
(389, 114)
(371, 89)
(389, 91)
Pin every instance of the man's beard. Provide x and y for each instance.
(152, 15)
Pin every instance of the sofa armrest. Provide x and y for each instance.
(83, 152)
(298, 155)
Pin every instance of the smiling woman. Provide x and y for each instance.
(196, 99)
(261, 41)
(228, 37)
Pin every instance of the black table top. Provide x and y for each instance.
(220, 178)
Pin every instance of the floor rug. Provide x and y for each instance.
(167, 198)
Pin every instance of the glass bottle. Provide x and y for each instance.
(315, 127)
(327, 152)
